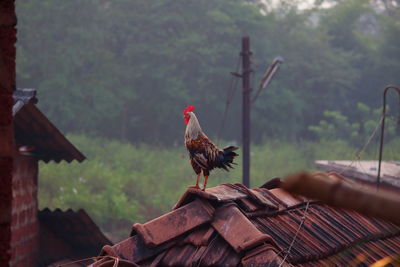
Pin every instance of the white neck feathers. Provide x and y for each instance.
(193, 128)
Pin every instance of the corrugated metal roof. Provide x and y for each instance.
(255, 227)
(33, 129)
(68, 235)
(364, 170)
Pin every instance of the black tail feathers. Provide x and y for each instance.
(226, 157)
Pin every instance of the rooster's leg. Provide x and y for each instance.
(205, 182)
(197, 181)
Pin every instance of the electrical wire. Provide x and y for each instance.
(230, 95)
(357, 156)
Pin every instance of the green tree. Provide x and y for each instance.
(126, 69)
(336, 126)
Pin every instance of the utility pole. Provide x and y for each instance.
(247, 100)
(246, 109)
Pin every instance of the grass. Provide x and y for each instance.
(121, 183)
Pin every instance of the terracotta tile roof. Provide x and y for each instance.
(68, 235)
(231, 225)
(34, 129)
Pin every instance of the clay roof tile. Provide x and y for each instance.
(221, 193)
(237, 229)
(231, 225)
(174, 223)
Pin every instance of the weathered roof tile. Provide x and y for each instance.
(248, 205)
(134, 249)
(230, 225)
(218, 253)
(287, 199)
(256, 195)
(174, 223)
(261, 255)
(236, 229)
(199, 237)
(221, 193)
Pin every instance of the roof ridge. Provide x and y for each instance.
(220, 193)
(22, 97)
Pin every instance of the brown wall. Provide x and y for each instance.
(24, 226)
(7, 86)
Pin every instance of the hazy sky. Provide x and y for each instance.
(304, 4)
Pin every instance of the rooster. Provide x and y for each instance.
(204, 155)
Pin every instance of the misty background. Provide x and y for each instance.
(115, 77)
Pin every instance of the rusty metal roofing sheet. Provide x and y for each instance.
(34, 129)
(364, 170)
(68, 234)
(254, 228)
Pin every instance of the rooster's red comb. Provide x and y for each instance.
(188, 109)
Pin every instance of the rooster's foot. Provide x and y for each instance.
(195, 186)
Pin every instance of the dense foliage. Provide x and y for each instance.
(126, 69)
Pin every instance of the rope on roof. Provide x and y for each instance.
(357, 156)
(297, 232)
(107, 260)
(303, 218)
